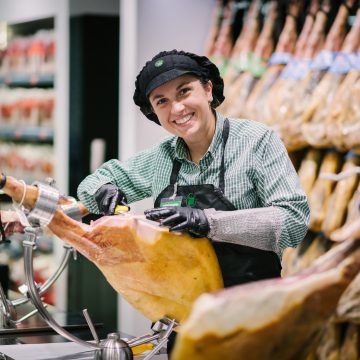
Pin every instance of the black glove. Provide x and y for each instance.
(191, 220)
(107, 197)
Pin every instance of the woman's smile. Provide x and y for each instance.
(184, 120)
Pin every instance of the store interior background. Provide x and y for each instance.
(93, 98)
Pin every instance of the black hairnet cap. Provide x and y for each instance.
(168, 65)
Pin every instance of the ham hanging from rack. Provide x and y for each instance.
(322, 189)
(224, 43)
(253, 107)
(309, 169)
(315, 115)
(340, 114)
(276, 101)
(214, 29)
(338, 202)
(302, 96)
(344, 131)
(242, 86)
(244, 46)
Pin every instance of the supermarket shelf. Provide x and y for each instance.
(36, 133)
(26, 80)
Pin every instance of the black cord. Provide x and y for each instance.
(2, 181)
(3, 239)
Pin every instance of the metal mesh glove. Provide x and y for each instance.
(187, 219)
(107, 197)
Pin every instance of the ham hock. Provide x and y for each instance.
(158, 272)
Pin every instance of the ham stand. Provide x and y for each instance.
(111, 348)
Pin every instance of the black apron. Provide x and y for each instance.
(239, 264)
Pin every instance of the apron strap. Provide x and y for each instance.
(175, 171)
(177, 164)
(225, 135)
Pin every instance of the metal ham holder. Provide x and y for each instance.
(111, 348)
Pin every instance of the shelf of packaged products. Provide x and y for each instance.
(28, 134)
(28, 80)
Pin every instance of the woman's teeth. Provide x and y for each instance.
(183, 120)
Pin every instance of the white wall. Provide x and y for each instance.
(14, 11)
(146, 28)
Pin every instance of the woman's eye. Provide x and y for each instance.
(161, 101)
(184, 91)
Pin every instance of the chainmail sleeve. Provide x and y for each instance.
(259, 228)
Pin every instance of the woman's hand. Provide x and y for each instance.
(108, 197)
(193, 221)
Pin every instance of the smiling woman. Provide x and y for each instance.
(182, 107)
(230, 180)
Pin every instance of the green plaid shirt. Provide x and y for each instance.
(258, 173)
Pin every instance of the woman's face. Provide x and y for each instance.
(182, 107)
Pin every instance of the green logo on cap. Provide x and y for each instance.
(159, 62)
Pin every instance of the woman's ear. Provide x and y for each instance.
(208, 88)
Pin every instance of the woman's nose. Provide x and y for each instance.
(177, 106)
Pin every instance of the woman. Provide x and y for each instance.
(230, 180)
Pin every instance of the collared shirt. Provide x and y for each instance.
(258, 174)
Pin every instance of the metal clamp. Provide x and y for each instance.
(72, 210)
(45, 206)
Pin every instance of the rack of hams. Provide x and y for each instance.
(332, 183)
(294, 66)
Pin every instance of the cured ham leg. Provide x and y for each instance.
(271, 319)
(314, 126)
(322, 190)
(160, 273)
(303, 94)
(244, 83)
